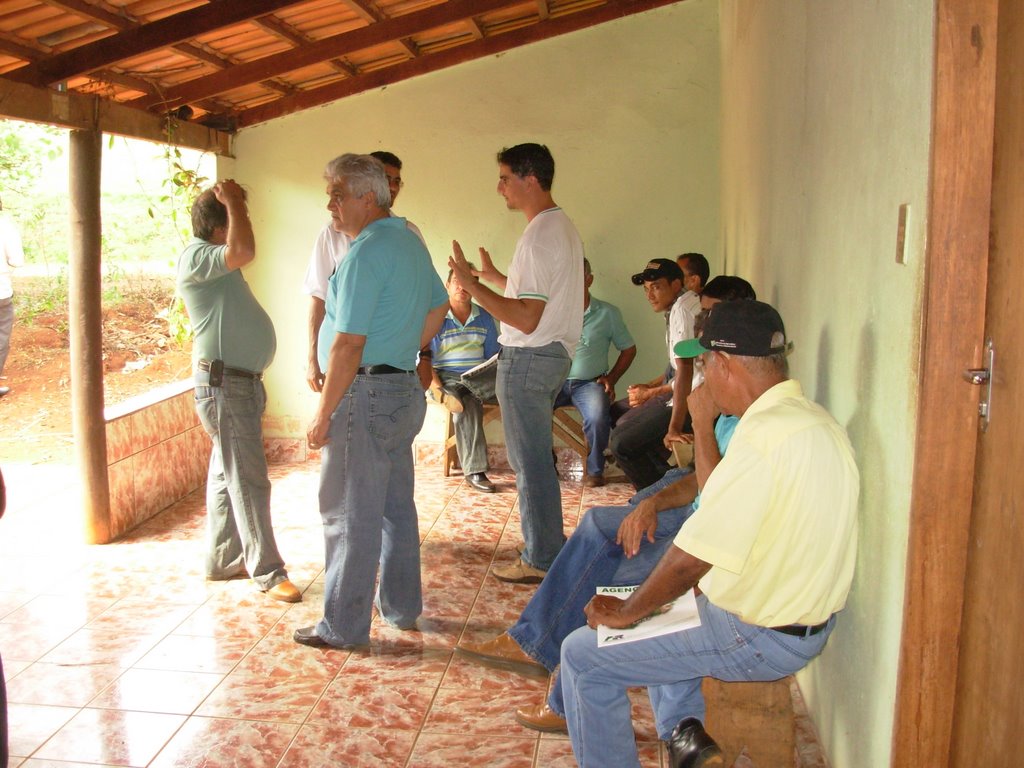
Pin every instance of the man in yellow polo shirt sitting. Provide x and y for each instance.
(770, 554)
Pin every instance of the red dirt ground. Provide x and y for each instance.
(138, 355)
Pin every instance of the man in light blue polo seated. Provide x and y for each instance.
(590, 386)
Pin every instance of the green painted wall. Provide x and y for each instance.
(629, 109)
(780, 137)
(825, 133)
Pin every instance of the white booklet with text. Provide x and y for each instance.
(480, 368)
(676, 616)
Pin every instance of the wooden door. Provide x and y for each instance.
(989, 706)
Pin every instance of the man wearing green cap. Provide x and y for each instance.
(771, 551)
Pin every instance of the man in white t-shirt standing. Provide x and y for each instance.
(329, 249)
(11, 256)
(541, 319)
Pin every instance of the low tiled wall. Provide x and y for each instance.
(157, 453)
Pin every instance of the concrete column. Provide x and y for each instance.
(86, 329)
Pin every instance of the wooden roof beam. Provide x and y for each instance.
(18, 49)
(142, 38)
(73, 110)
(366, 11)
(329, 48)
(277, 27)
(95, 12)
(475, 29)
(489, 46)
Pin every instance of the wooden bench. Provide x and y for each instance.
(758, 716)
(567, 428)
(564, 426)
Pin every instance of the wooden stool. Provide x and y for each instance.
(565, 427)
(451, 454)
(758, 716)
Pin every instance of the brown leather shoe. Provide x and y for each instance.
(520, 572)
(286, 592)
(445, 398)
(593, 481)
(540, 717)
(502, 653)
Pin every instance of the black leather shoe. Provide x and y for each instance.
(308, 636)
(689, 746)
(481, 482)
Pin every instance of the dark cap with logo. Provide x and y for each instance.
(747, 328)
(656, 268)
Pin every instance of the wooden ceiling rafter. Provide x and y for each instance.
(228, 64)
(135, 39)
(489, 46)
(330, 47)
(475, 29)
(372, 15)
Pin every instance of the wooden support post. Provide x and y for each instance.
(86, 330)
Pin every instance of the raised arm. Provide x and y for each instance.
(522, 314)
(241, 243)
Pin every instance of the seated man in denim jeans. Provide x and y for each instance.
(770, 556)
(590, 386)
(611, 546)
(234, 342)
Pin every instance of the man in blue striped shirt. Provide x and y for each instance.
(467, 338)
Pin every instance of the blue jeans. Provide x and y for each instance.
(6, 326)
(528, 382)
(590, 399)
(590, 559)
(595, 680)
(368, 511)
(238, 522)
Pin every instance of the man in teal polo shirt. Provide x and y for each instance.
(384, 303)
(590, 386)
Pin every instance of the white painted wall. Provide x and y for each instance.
(825, 132)
(629, 109)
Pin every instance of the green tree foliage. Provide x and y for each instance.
(24, 147)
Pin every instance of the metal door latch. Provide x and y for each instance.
(983, 377)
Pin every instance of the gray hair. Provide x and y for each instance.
(766, 367)
(361, 174)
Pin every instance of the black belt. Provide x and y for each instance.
(800, 630)
(204, 365)
(377, 370)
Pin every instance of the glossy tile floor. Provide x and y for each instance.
(123, 655)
